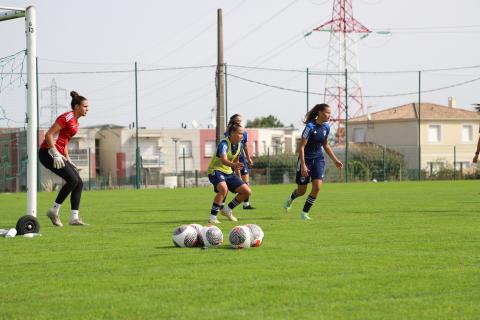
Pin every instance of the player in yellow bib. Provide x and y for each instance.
(224, 174)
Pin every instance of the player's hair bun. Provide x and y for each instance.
(74, 94)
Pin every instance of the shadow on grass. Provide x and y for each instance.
(159, 222)
(222, 247)
(154, 211)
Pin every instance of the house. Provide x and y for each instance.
(166, 152)
(447, 133)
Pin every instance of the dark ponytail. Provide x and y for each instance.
(233, 127)
(313, 113)
(76, 99)
(234, 119)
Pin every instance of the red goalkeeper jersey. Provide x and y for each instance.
(69, 126)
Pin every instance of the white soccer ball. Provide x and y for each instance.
(198, 228)
(212, 236)
(239, 237)
(184, 236)
(256, 235)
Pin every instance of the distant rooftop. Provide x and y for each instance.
(428, 111)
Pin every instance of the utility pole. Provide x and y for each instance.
(220, 77)
(342, 56)
(54, 106)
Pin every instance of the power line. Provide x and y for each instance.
(366, 96)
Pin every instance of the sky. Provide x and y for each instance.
(92, 46)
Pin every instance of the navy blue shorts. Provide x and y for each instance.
(316, 169)
(233, 181)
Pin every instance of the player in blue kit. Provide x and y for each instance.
(223, 173)
(244, 158)
(311, 163)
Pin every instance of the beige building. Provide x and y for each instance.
(447, 133)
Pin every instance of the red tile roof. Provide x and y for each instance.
(428, 111)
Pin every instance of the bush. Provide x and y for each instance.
(277, 166)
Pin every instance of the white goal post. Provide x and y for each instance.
(29, 13)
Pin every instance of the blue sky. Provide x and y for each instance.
(105, 38)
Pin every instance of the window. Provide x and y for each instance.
(187, 145)
(254, 149)
(434, 133)
(209, 148)
(467, 133)
(358, 135)
(73, 145)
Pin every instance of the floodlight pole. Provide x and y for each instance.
(32, 107)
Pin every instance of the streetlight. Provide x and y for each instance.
(175, 140)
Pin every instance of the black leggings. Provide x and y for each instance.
(73, 182)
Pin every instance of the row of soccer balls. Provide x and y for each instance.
(195, 235)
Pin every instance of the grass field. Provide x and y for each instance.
(373, 251)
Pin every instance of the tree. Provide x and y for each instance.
(265, 122)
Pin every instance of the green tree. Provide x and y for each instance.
(265, 122)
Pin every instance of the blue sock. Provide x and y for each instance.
(308, 203)
(233, 203)
(215, 209)
(293, 195)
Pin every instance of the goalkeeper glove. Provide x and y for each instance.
(58, 162)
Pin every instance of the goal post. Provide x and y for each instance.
(31, 57)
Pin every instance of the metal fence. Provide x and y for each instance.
(173, 169)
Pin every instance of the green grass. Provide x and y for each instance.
(372, 251)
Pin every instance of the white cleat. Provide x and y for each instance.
(288, 204)
(229, 214)
(77, 222)
(305, 216)
(54, 218)
(214, 221)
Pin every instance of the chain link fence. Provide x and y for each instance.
(171, 167)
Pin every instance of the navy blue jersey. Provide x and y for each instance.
(223, 148)
(316, 135)
(244, 143)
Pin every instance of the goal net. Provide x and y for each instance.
(17, 71)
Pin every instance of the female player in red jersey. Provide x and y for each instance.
(54, 156)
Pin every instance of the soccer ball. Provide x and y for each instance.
(212, 236)
(184, 236)
(257, 234)
(198, 228)
(240, 237)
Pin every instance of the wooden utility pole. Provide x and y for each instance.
(220, 77)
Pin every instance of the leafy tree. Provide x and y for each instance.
(265, 122)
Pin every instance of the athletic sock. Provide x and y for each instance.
(74, 214)
(246, 203)
(308, 203)
(293, 195)
(233, 203)
(215, 208)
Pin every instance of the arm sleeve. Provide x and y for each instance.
(306, 132)
(62, 122)
(222, 148)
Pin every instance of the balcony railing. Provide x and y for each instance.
(79, 157)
